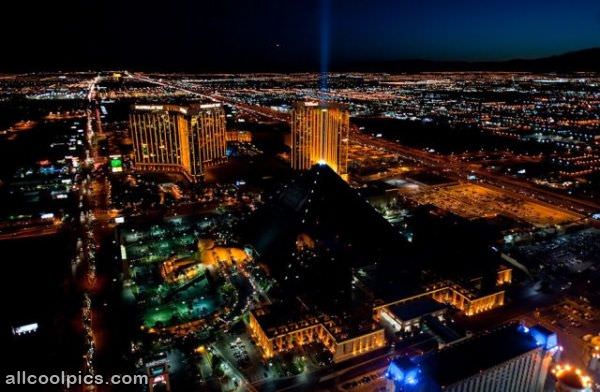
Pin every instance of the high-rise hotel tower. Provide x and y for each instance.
(171, 138)
(320, 135)
(512, 357)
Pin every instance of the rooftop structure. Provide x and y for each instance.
(279, 328)
(407, 315)
(511, 357)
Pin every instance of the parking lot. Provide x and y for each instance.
(572, 315)
(571, 319)
(239, 351)
(475, 201)
(243, 354)
(576, 251)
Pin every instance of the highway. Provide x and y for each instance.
(32, 232)
(462, 170)
(523, 188)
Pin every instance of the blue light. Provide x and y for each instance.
(325, 23)
(544, 338)
(412, 378)
(394, 373)
(403, 371)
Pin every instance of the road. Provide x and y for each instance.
(461, 169)
(94, 266)
(31, 232)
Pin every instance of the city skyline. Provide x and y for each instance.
(300, 196)
(370, 231)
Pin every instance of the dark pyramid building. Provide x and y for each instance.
(341, 269)
(316, 229)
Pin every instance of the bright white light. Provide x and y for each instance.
(210, 105)
(23, 329)
(148, 107)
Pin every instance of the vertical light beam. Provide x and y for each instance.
(325, 24)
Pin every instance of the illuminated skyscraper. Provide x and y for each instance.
(320, 135)
(172, 138)
(510, 358)
(571, 379)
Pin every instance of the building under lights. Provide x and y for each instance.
(317, 207)
(320, 135)
(571, 379)
(512, 357)
(592, 352)
(466, 298)
(279, 328)
(238, 136)
(184, 139)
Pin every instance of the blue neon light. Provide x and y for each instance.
(403, 371)
(544, 338)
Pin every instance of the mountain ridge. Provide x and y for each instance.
(585, 60)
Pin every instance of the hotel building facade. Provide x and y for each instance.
(280, 330)
(184, 139)
(320, 135)
(512, 357)
(274, 338)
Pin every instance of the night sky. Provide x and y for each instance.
(201, 35)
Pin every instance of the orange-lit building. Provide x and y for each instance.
(454, 295)
(276, 333)
(467, 298)
(571, 379)
(591, 352)
(239, 136)
(185, 139)
(277, 329)
(320, 135)
(504, 275)
(181, 270)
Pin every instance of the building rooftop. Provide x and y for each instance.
(190, 109)
(467, 358)
(280, 319)
(283, 318)
(442, 331)
(318, 104)
(417, 308)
